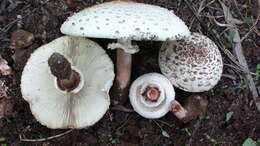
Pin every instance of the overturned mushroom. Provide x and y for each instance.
(125, 21)
(193, 63)
(152, 96)
(66, 83)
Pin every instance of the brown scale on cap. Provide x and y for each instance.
(196, 58)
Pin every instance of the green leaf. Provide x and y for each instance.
(204, 117)
(249, 142)
(113, 140)
(248, 20)
(212, 140)
(2, 139)
(186, 130)
(228, 116)
(215, 33)
(258, 142)
(231, 33)
(245, 6)
(258, 66)
(165, 133)
(179, 2)
(4, 144)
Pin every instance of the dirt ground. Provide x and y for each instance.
(231, 116)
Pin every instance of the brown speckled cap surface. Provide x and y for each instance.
(193, 64)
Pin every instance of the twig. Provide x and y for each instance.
(241, 63)
(121, 109)
(197, 125)
(241, 58)
(237, 69)
(124, 123)
(228, 76)
(45, 139)
(251, 29)
(240, 14)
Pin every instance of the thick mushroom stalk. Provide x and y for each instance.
(68, 79)
(123, 66)
(152, 96)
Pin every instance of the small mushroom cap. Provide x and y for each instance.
(119, 19)
(56, 109)
(149, 109)
(193, 64)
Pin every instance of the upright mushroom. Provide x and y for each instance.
(66, 83)
(125, 21)
(193, 63)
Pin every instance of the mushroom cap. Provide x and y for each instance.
(56, 109)
(118, 19)
(193, 63)
(150, 109)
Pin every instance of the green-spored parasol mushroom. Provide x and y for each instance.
(66, 82)
(125, 21)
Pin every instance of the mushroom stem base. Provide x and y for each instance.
(178, 110)
(123, 75)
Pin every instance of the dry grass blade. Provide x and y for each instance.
(237, 49)
(45, 139)
(252, 28)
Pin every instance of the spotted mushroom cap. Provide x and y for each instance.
(56, 109)
(120, 19)
(151, 109)
(193, 64)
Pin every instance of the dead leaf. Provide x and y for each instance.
(21, 39)
(4, 67)
(228, 16)
(6, 107)
(21, 56)
(3, 90)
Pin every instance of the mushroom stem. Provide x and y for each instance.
(178, 110)
(123, 69)
(67, 79)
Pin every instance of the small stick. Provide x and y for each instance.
(45, 139)
(251, 29)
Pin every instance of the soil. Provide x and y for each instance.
(43, 19)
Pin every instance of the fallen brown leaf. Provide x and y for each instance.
(5, 69)
(21, 39)
(5, 104)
